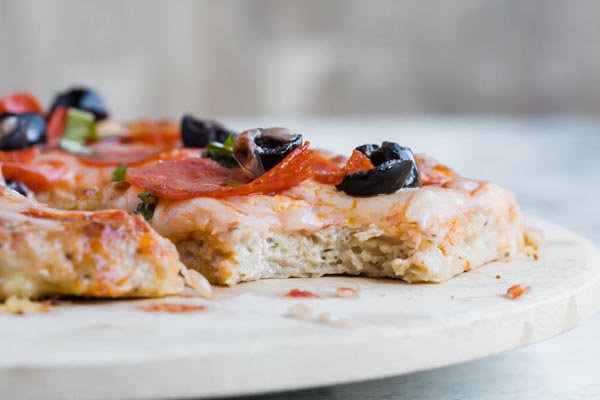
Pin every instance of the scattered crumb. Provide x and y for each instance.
(467, 266)
(498, 277)
(347, 292)
(193, 279)
(325, 318)
(173, 308)
(19, 306)
(343, 323)
(516, 291)
(305, 313)
(301, 293)
(299, 311)
(533, 241)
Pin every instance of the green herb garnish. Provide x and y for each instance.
(221, 153)
(119, 174)
(147, 206)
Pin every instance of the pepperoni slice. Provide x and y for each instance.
(19, 156)
(357, 162)
(56, 125)
(323, 165)
(36, 172)
(36, 177)
(197, 177)
(434, 173)
(163, 132)
(116, 154)
(19, 103)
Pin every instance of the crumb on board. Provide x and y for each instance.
(19, 306)
(297, 293)
(173, 308)
(347, 292)
(305, 313)
(533, 241)
(299, 311)
(498, 277)
(516, 291)
(325, 318)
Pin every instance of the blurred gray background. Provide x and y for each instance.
(297, 58)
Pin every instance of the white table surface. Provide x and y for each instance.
(553, 165)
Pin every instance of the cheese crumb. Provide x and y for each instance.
(347, 292)
(19, 306)
(299, 311)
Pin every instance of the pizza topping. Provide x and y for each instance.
(327, 171)
(80, 126)
(12, 133)
(147, 206)
(38, 177)
(221, 153)
(196, 177)
(154, 132)
(56, 125)
(119, 173)
(295, 293)
(19, 156)
(84, 99)
(18, 187)
(19, 131)
(390, 151)
(395, 168)
(259, 150)
(199, 133)
(19, 103)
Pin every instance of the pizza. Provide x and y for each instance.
(92, 207)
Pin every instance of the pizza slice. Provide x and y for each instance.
(46, 252)
(382, 213)
(260, 204)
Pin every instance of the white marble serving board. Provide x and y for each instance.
(243, 343)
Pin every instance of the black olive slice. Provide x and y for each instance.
(386, 178)
(18, 187)
(259, 150)
(36, 128)
(13, 132)
(82, 98)
(395, 168)
(199, 133)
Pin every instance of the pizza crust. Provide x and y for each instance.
(47, 252)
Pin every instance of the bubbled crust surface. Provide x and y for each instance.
(46, 252)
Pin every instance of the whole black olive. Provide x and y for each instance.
(13, 132)
(199, 133)
(395, 168)
(259, 150)
(36, 128)
(82, 98)
(19, 187)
